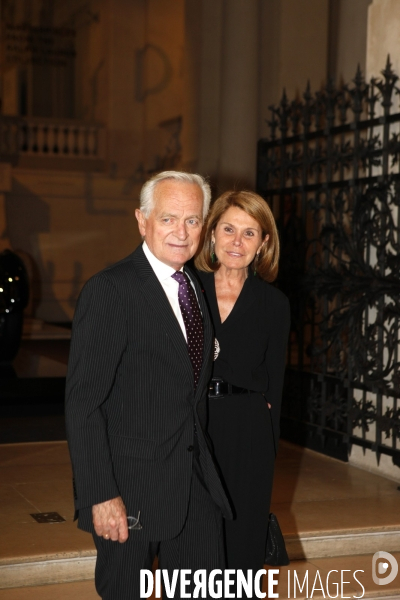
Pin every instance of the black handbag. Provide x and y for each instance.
(275, 552)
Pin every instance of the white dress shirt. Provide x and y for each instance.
(163, 273)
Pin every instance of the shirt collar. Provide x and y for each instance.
(161, 270)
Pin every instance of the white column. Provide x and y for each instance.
(239, 93)
(210, 100)
(125, 36)
(348, 38)
(294, 50)
(202, 87)
(194, 30)
(219, 136)
(383, 36)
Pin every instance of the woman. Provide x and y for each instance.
(238, 261)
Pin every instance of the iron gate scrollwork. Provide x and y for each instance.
(331, 172)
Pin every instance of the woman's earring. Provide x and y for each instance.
(213, 257)
(255, 263)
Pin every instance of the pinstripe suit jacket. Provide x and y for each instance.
(131, 406)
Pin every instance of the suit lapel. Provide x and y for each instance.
(155, 296)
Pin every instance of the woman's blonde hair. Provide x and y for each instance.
(255, 206)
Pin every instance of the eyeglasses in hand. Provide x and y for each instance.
(134, 522)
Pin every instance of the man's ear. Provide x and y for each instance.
(141, 222)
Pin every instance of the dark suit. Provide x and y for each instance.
(131, 407)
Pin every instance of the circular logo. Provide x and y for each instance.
(382, 567)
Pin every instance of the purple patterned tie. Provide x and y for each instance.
(193, 322)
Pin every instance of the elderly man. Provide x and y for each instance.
(136, 400)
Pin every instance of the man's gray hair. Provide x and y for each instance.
(147, 191)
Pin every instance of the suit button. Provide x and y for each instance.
(190, 448)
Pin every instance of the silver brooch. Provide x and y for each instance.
(216, 348)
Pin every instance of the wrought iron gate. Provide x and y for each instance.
(330, 170)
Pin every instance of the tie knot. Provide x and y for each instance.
(179, 276)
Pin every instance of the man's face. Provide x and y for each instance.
(172, 230)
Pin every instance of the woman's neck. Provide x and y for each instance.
(233, 276)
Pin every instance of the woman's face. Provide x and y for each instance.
(238, 238)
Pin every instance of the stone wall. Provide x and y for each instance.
(68, 226)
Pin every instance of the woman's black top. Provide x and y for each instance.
(252, 340)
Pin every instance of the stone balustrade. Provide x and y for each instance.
(50, 138)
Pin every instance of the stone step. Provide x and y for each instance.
(55, 569)
(48, 570)
(343, 543)
(328, 573)
(81, 590)
(299, 574)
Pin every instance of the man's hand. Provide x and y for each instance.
(109, 520)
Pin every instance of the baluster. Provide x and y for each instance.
(9, 138)
(95, 141)
(56, 148)
(45, 145)
(29, 137)
(86, 133)
(40, 138)
(4, 136)
(66, 148)
(76, 140)
(13, 132)
(34, 145)
(16, 137)
(19, 137)
(82, 141)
